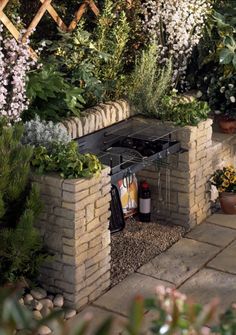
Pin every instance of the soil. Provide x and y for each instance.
(137, 244)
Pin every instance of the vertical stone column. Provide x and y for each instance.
(189, 181)
(189, 175)
(74, 225)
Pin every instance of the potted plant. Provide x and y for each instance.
(225, 181)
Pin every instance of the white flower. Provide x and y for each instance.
(222, 89)
(232, 99)
(231, 86)
(217, 112)
(199, 94)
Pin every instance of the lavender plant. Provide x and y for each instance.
(15, 62)
(43, 133)
(177, 26)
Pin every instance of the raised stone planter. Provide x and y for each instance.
(74, 224)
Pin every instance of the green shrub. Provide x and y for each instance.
(21, 247)
(66, 160)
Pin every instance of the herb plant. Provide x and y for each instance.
(149, 83)
(66, 160)
(183, 111)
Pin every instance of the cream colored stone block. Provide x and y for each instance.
(93, 225)
(75, 197)
(103, 201)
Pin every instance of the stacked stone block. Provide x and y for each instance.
(97, 117)
(74, 225)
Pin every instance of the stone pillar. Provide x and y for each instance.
(190, 179)
(189, 201)
(74, 225)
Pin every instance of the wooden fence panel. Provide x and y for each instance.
(46, 6)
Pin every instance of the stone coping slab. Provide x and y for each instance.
(213, 234)
(224, 220)
(225, 261)
(209, 283)
(180, 262)
(119, 298)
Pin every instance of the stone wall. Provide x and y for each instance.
(74, 225)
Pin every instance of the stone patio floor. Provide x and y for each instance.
(202, 265)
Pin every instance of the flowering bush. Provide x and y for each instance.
(15, 62)
(177, 26)
(224, 179)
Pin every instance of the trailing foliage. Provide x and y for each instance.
(21, 248)
(66, 160)
(42, 133)
(149, 83)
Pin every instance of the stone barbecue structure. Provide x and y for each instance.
(75, 219)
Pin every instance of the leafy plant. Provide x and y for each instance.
(225, 25)
(65, 159)
(149, 83)
(42, 133)
(184, 111)
(51, 95)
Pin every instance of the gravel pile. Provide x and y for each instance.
(137, 244)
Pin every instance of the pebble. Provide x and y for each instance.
(28, 299)
(47, 303)
(44, 330)
(58, 300)
(45, 311)
(37, 305)
(38, 293)
(69, 313)
(37, 315)
(21, 301)
(50, 296)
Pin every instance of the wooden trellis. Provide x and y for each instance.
(46, 6)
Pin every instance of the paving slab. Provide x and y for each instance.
(98, 317)
(224, 220)
(211, 233)
(119, 298)
(180, 262)
(225, 261)
(208, 284)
